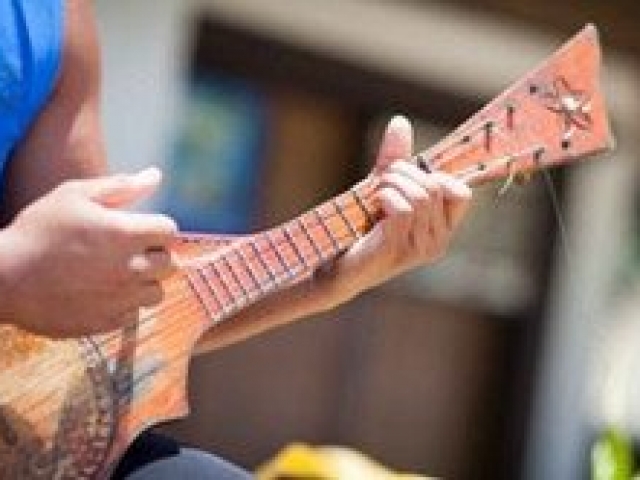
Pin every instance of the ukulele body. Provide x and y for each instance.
(70, 408)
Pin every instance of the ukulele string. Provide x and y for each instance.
(483, 134)
(467, 175)
(464, 137)
(168, 328)
(182, 302)
(171, 312)
(563, 230)
(123, 395)
(186, 296)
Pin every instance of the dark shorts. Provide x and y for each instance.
(154, 456)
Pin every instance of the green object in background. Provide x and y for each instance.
(612, 457)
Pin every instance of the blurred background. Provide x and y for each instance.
(509, 359)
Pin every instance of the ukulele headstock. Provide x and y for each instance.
(552, 116)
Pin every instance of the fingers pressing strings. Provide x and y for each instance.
(433, 203)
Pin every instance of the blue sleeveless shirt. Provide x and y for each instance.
(31, 38)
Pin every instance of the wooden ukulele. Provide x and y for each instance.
(69, 409)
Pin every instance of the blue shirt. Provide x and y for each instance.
(31, 38)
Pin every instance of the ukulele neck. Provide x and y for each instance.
(255, 266)
(552, 116)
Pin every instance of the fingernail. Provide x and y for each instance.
(399, 122)
(148, 175)
(462, 189)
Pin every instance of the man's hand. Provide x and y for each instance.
(421, 212)
(73, 263)
(420, 215)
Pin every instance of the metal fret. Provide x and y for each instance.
(279, 256)
(344, 217)
(206, 281)
(294, 246)
(360, 202)
(245, 292)
(264, 264)
(225, 287)
(327, 231)
(310, 238)
(247, 266)
(199, 295)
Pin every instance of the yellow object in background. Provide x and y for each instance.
(300, 461)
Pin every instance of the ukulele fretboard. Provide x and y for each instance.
(258, 264)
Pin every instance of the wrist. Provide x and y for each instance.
(331, 288)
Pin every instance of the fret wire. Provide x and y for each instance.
(193, 286)
(265, 265)
(199, 294)
(279, 256)
(294, 246)
(247, 266)
(344, 217)
(225, 287)
(272, 244)
(245, 292)
(207, 282)
(332, 238)
(216, 317)
(360, 202)
(310, 238)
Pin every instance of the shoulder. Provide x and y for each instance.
(65, 139)
(31, 45)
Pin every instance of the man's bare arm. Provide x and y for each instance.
(66, 139)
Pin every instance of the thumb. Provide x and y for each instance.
(397, 142)
(124, 189)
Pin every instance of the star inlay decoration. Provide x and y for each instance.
(572, 105)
